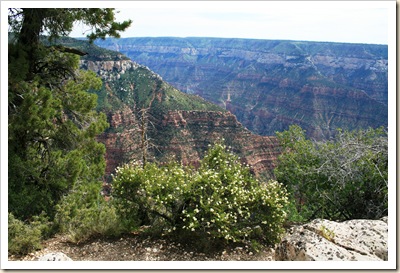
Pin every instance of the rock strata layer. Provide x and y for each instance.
(178, 126)
(270, 84)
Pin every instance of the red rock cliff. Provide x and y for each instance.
(185, 136)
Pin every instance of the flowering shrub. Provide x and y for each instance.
(228, 202)
(219, 200)
(149, 194)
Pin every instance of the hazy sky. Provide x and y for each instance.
(334, 21)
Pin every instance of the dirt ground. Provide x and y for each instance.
(141, 247)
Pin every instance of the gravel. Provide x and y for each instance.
(139, 247)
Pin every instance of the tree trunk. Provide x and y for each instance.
(29, 36)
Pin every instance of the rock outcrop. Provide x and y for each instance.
(323, 240)
(269, 85)
(55, 257)
(104, 68)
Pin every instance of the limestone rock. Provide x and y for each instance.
(55, 257)
(323, 240)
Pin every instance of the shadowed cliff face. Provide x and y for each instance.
(270, 85)
(145, 113)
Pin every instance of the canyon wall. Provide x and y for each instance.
(269, 85)
(178, 126)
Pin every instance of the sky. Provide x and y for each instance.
(332, 21)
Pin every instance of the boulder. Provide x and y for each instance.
(323, 240)
(55, 257)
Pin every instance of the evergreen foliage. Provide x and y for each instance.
(24, 238)
(340, 179)
(52, 142)
(85, 213)
(52, 121)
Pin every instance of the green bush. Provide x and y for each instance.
(149, 195)
(339, 179)
(221, 200)
(24, 238)
(84, 213)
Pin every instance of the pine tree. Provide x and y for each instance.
(52, 121)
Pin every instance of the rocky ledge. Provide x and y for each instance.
(324, 240)
(319, 240)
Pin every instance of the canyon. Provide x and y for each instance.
(270, 84)
(153, 121)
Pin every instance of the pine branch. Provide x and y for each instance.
(69, 50)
